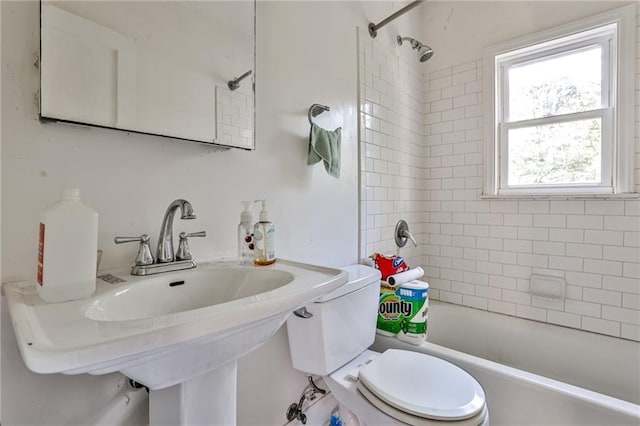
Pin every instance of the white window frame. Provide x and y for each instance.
(614, 31)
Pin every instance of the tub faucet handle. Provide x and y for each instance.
(403, 234)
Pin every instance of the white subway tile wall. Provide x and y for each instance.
(392, 151)
(424, 164)
(234, 117)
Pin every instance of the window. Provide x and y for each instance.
(560, 121)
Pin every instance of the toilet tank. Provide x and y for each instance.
(343, 324)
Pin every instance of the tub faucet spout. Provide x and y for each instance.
(165, 253)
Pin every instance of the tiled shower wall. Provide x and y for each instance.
(482, 253)
(392, 151)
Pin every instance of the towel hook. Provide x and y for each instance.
(315, 110)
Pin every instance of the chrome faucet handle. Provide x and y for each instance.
(144, 256)
(402, 234)
(408, 235)
(183, 252)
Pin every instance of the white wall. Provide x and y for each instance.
(307, 53)
(481, 253)
(459, 30)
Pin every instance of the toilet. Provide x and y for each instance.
(395, 387)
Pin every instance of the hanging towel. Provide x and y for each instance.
(325, 145)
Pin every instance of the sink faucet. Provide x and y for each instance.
(166, 260)
(164, 253)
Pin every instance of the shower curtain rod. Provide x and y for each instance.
(373, 28)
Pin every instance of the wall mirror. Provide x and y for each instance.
(155, 67)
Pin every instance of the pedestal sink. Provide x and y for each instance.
(179, 333)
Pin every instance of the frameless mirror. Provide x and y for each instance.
(155, 67)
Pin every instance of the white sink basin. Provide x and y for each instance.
(195, 289)
(164, 329)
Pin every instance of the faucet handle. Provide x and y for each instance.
(193, 234)
(402, 234)
(144, 256)
(183, 252)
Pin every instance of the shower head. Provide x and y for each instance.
(424, 51)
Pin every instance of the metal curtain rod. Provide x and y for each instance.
(373, 28)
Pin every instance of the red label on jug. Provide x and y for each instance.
(40, 253)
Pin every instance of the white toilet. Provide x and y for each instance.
(395, 387)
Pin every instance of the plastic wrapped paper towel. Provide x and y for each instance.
(413, 328)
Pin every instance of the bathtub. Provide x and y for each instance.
(535, 373)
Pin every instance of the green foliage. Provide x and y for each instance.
(559, 153)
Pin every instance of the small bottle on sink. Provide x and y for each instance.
(264, 238)
(245, 235)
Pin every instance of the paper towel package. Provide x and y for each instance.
(402, 311)
(413, 329)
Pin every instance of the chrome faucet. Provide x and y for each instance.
(164, 253)
(166, 260)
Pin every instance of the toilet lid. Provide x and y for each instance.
(423, 385)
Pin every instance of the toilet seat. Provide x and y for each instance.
(480, 419)
(411, 386)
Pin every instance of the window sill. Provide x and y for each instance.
(625, 196)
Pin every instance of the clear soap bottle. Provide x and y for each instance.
(265, 239)
(245, 235)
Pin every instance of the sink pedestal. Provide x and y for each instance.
(208, 399)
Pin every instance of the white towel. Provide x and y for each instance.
(405, 277)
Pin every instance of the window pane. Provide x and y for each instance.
(562, 84)
(560, 153)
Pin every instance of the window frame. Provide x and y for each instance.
(616, 111)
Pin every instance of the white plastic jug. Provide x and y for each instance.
(67, 249)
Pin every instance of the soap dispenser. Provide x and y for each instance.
(245, 235)
(264, 237)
